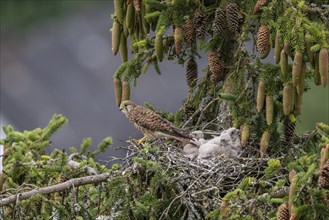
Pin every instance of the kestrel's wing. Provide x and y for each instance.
(153, 122)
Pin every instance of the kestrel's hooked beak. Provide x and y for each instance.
(121, 107)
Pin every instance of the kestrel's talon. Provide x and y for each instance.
(138, 141)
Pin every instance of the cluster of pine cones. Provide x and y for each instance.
(226, 19)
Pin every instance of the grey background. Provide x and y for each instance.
(65, 65)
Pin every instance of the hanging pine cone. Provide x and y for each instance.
(245, 133)
(284, 63)
(233, 17)
(264, 142)
(263, 41)
(188, 111)
(317, 76)
(178, 37)
(260, 96)
(200, 24)
(269, 109)
(325, 150)
(323, 66)
(277, 47)
(125, 90)
(191, 73)
(158, 47)
(283, 212)
(301, 84)
(289, 130)
(297, 67)
(323, 181)
(189, 31)
(259, 5)
(288, 98)
(216, 66)
(292, 175)
(117, 91)
(116, 34)
(137, 5)
(219, 23)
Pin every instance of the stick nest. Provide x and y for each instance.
(198, 185)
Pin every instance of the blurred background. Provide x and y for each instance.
(56, 58)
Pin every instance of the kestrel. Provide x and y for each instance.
(150, 123)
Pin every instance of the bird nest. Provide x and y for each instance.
(198, 184)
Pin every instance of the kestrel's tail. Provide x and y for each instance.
(182, 138)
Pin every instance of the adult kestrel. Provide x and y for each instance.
(150, 123)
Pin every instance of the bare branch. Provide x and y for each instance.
(56, 188)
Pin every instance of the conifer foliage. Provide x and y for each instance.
(278, 174)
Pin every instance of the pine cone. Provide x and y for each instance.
(216, 66)
(324, 151)
(188, 111)
(118, 10)
(125, 90)
(191, 73)
(137, 5)
(317, 76)
(260, 96)
(123, 49)
(259, 5)
(283, 212)
(323, 181)
(189, 31)
(277, 47)
(178, 37)
(289, 130)
(264, 142)
(219, 23)
(116, 34)
(292, 175)
(293, 216)
(117, 91)
(323, 66)
(200, 24)
(233, 17)
(301, 84)
(245, 133)
(287, 99)
(297, 67)
(263, 41)
(284, 63)
(158, 47)
(269, 109)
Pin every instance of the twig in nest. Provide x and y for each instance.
(204, 110)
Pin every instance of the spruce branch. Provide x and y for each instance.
(57, 188)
